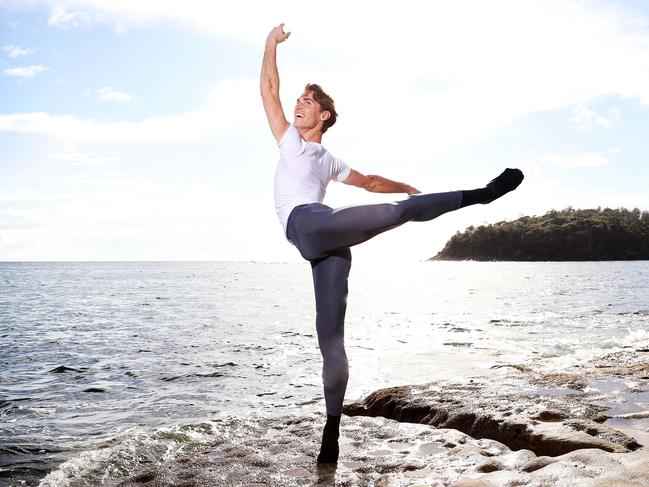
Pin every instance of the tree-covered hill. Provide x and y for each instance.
(558, 235)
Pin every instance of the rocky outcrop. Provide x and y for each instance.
(486, 418)
(549, 414)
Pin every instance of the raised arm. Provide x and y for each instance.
(269, 82)
(378, 184)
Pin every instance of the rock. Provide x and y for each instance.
(61, 369)
(584, 468)
(603, 432)
(479, 412)
(489, 466)
(378, 451)
(144, 477)
(548, 413)
(570, 381)
(537, 463)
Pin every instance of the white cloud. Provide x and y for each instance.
(587, 159)
(109, 94)
(62, 18)
(586, 118)
(232, 105)
(500, 58)
(26, 71)
(89, 159)
(15, 51)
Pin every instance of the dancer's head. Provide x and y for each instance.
(314, 108)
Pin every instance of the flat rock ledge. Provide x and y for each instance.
(549, 414)
(525, 422)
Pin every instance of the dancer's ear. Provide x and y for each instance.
(325, 115)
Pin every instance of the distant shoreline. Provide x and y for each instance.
(592, 235)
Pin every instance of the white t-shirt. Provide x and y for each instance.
(303, 172)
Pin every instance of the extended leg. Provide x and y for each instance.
(330, 283)
(316, 229)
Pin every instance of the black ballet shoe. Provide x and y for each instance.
(329, 449)
(508, 181)
(328, 456)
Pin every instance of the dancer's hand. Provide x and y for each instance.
(379, 184)
(277, 35)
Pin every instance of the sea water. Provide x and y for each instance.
(106, 365)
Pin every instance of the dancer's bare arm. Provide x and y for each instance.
(269, 82)
(378, 184)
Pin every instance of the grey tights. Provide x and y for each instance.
(323, 237)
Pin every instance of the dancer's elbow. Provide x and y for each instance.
(359, 180)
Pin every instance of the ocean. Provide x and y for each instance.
(106, 366)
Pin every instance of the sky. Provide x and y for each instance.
(134, 129)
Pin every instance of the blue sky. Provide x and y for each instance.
(134, 130)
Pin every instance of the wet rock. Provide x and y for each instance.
(489, 466)
(513, 366)
(144, 477)
(583, 468)
(548, 413)
(537, 463)
(61, 369)
(624, 364)
(603, 432)
(570, 381)
(483, 416)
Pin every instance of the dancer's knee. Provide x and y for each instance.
(400, 211)
(332, 348)
(335, 372)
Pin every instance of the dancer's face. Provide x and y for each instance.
(307, 113)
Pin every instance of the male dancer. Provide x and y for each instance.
(323, 235)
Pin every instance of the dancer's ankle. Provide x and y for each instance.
(333, 421)
(507, 181)
(329, 448)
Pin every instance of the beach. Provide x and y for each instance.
(142, 373)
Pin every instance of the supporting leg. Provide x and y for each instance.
(330, 282)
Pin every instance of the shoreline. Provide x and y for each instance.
(437, 434)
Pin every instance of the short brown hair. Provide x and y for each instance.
(326, 104)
